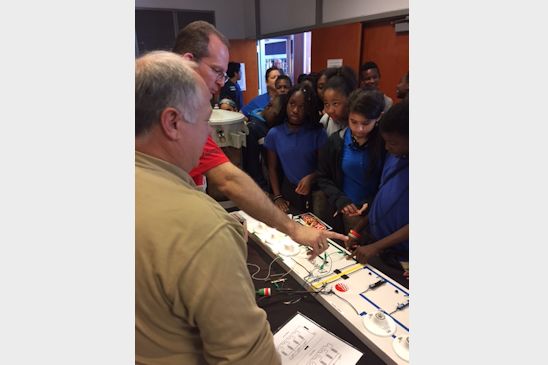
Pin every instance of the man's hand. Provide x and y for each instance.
(364, 253)
(314, 238)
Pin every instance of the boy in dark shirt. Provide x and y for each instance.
(231, 90)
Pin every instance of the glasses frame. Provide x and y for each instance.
(220, 74)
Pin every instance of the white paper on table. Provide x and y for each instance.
(302, 341)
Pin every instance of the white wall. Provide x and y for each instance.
(287, 15)
(281, 15)
(234, 18)
(336, 10)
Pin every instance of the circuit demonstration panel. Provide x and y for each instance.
(370, 304)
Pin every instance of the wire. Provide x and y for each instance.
(324, 260)
(311, 278)
(318, 269)
(350, 304)
(308, 271)
(268, 276)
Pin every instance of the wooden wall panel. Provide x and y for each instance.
(341, 41)
(389, 50)
(245, 51)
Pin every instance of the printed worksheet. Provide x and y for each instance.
(302, 342)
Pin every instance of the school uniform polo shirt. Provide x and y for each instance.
(355, 162)
(296, 151)
(390, 209)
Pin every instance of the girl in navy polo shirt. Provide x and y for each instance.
(294, 144)
(351, 162)
(387, 223)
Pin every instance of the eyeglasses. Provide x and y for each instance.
(220, 74)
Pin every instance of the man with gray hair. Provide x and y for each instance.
(194, 299)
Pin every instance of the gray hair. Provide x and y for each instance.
(162, 80)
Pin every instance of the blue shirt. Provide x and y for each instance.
(359, 187)
(390, 209)
(257, 114)
(257, 102)
(296, 151)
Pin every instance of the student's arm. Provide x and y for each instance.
(305, 184)
(242, 190)
(363, 253)
(279, 200)
(352, 242)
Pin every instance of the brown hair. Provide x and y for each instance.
(194, 38)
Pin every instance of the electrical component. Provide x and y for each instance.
(268, 292)
(400, 306)
(377, 284)
(264, 292)
(374, 285)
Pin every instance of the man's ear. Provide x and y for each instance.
(188, 56)
(169, 121)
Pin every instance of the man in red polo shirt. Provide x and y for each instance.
(203, 43)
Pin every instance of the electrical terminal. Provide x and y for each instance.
(400, 306)
(377, 284)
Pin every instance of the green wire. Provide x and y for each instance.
(324, 260)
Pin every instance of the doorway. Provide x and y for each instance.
(290, 53)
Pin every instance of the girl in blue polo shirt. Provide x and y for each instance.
(350, 164)
(387, 223)
(294, 144)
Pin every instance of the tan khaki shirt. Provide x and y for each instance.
(194, 299)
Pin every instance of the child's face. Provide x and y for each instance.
(360, 125)
(227, 107)
(396, 144)
(282, 87)
(335, 104)
(370, 79)
(402, 89)
(319, 87)
(295, 108)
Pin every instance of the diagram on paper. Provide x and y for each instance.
(302, 341)
(327, 355)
